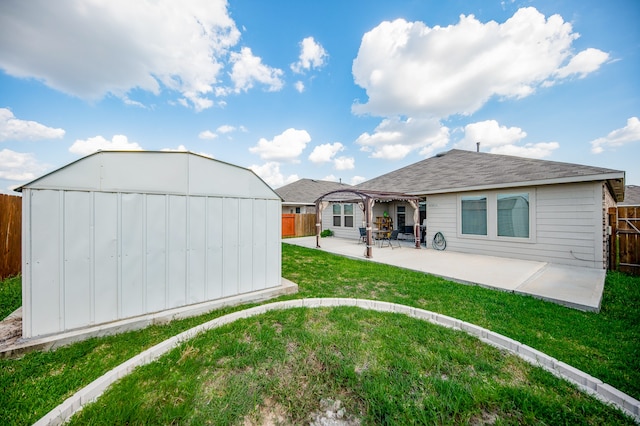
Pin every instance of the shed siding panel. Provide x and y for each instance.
(215, 258)
(156, 253)
(78, 239)
(46, 311)
(177, 229)
(231, 246)
(567, 226)
(259, 241)
(131, 237)
(274, 245)
(197, 249)
(245, 246)
(106, 257)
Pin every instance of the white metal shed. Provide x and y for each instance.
(117, 235)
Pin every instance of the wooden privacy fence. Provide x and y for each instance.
(624, 248)
(10, 235)
(298, 225)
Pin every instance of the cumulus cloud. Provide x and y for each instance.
(248, 70)
(91, 145)
(12, 128)
(394, 138)
(270, 173)
(408, 68)
(20, 166)
(312, 55)
(499, 139)
(628, 134)
(286, 146)
(299, 86)
(357, 179)
(225, 128)
(344, 163)
(90, 49)
(325, 153)
(207, 134)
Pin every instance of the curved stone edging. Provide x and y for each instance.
(584, 381)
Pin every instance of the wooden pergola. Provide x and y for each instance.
(366, 200)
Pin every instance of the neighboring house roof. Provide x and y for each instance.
(307, 191)
(631, 196)
(458, 170)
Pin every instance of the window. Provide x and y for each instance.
(348, 215)
(337, 218)
(297, 209)
(474, 215)
(513, 215)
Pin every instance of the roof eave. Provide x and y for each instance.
(615, 180)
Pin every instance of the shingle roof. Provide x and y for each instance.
(631, 196)
(458, 170)
(307, 191)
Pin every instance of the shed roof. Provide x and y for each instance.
(458, 170)
(159, 172)
(306, 191)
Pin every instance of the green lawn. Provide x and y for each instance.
(493, 386)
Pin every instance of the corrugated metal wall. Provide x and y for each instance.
(95, 257)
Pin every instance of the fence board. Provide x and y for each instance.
(298, 225)
(625, 245)
(10, 235)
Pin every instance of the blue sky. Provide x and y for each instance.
(326, 89)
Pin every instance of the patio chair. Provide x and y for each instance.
(394, 237)
(363, 235)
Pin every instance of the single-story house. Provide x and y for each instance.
(497, 205)
(300, 196)
(120, 235)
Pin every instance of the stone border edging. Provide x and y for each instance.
(584, 381)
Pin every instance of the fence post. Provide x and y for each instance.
(613, 236)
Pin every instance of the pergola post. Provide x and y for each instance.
(368, 214)
(318, 221)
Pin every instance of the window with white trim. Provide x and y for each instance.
(348, 215)
(513, 215)
(337, 215)
(473, 219)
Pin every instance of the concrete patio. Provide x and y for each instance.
(575, 287)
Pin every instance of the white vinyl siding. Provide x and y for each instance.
(566, 226)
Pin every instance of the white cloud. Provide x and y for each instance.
(225, 128)
(325, 153)
(344, 163)
(530, 150)
(357, 179)
(394, 138)
(270, 173)
(499, 139)
(207, 134)
(91, 145)
(312, 55)
(490, 134)
(330, 178)
(408, 68)
(12, 128)
(286, 146)
(628, 134)
(89, 49)
(299, 86)
(249, 69)
(180, 148)
(585, 62)
(20, 166)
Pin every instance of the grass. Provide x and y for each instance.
(10, 295)
(605, 345)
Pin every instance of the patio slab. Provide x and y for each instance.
(575, 287)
